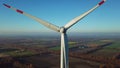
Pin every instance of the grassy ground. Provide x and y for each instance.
(115, 45)
(110, 50)
(97, 42)
(18, 53)
(71, 44)
(100, 42)
(58, 47)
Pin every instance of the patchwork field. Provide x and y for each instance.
(45, 53)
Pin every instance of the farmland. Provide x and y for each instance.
(38, 51)
(71, 44)
(110, 50)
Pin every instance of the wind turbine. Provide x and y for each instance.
(62, 30)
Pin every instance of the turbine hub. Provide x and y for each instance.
(62, 30)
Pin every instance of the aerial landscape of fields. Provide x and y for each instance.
(44, 52)
(68, 34)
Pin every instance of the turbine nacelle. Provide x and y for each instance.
(62, 30)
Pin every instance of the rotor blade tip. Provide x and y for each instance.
(6, 5)
(102, 2)
(19, 11)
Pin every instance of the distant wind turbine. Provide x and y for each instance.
(62, 30)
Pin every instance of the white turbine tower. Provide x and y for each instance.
(64, 63)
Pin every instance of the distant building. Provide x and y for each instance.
(82, 46)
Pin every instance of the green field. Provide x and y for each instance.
(58, 47)
(115, 45)
(100, 42)
(97, 42)
(71, 44)
(18, 54)
(109, 50)
(113, 48)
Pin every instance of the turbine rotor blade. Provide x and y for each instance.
(75, 20)
(64, 51)
(45, 23)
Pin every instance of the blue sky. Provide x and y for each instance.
(104, 19)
